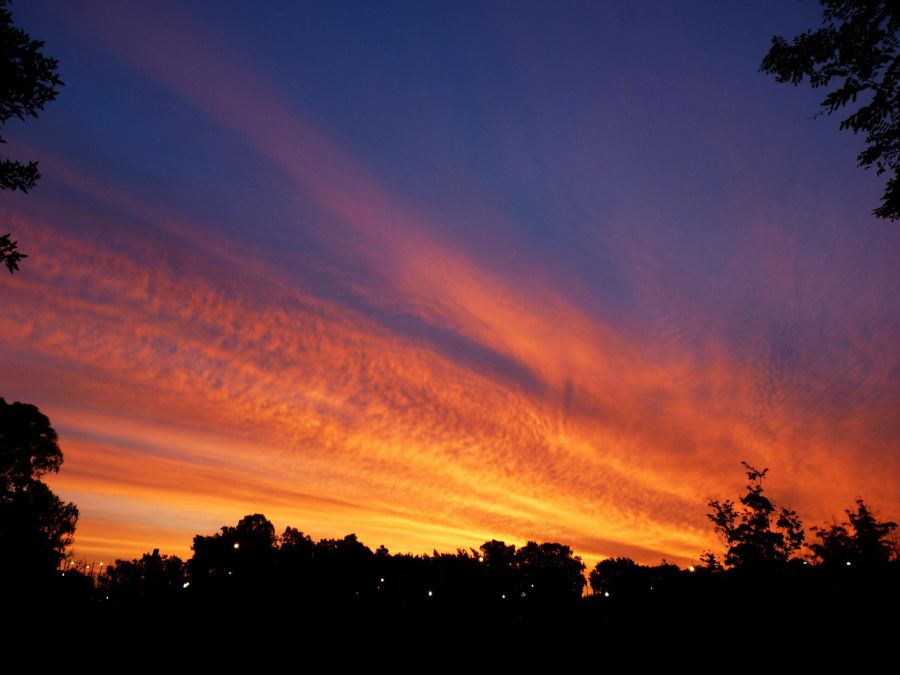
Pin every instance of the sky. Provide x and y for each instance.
(436, 273)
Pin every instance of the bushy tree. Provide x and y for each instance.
(152, 577)
(28, 81)
(550, 570)
(242, 552)
(759, 534)
(36, 526)
(857, 53)
(861, 540)
(619, 577)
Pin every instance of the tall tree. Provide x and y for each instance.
(760, 534)
(28, 81)
(857, 53)
(36, 526)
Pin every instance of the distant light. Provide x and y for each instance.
(229, 573)
(107, 597)
(532, 585)
(72, 563)
(523, 594)
(381, 580)
(806, 562)
(430, 594)
(101, 564)
(503, 596)
(691, 568)
(848, 563)
(236, 545)
(481, 558)
(606, 595)
(186, 584)
(64, 574)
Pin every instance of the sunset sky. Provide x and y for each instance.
(441, 272)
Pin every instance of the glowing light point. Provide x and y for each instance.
(691, 568)
(848, 563)
(430, 594)
(236, 546)
(606, 595)
(186, 584)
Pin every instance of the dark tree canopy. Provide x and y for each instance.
(28, 81)
(759, 534)
(861, 540)
(857, 53)
(152, 575)
(34, 523)
(550, 570)
(618, 576)
(28, 444)
(235, 550)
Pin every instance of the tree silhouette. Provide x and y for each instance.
(35, 525)
(550, 571)
(28, 81)
(857, 47)
(619, 577)
(862, 540)
(759, 535)
(243, 551)
(152, 577)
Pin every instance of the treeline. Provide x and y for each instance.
(337, 601)
(343, 582)
(247, 583)
(245, 586)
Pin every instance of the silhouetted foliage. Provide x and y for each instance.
(612, 577)
(709, 563)
(499, 560)
(862, 540)
(295, 548)
(242, 551)
(335, 601)
(9, 251)
(759, 535)
(858, 48)
(550, 571)
(28, 445)
(153, 577)
(35, 525)
(28, 81)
